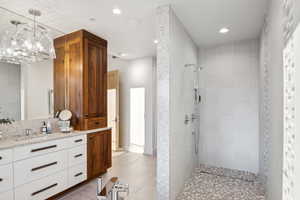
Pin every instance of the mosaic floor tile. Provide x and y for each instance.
(212, 183)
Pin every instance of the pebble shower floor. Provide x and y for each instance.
(211, 183)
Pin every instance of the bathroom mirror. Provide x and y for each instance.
(26, 90)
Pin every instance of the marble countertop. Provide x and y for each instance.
(13, 142)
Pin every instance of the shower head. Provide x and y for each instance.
(190, 65)
(195, 66)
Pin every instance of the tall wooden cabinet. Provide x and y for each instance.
(80, 79)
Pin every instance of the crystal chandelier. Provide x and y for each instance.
(26, 43)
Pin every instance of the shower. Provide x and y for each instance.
(195, 116)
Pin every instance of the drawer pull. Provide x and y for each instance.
(1, 179)
(79, 140)
(78, 155)
(97, 123)
(44, 189)
(43, 166)
(43, 148)
(79, 174)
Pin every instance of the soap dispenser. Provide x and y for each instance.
(49, 126)
(44, 128)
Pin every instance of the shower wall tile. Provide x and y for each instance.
(229, 124)
(176, 157)
(163, 103)
(279, 153)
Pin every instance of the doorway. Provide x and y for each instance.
(113, 108)
(137, 120)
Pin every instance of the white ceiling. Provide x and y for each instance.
(204, 18)
(133, 32)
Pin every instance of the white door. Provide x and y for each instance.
(137, 119)
(112, 114)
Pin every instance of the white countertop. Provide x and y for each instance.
(12, 142)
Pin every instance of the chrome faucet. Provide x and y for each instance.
(28, 132)
(111, 190)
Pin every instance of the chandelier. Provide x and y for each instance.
(26, 43)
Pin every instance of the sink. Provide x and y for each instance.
(36, 136)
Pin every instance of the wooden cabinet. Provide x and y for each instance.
(80, 79)
(99, 154)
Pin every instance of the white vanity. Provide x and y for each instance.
(37, 169)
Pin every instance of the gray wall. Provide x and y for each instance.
(229, 127)
(10, 91)
(135, 73)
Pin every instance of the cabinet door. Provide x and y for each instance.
(59, 77)
(95, 80)
(99, 153)
(74, 78)
(96, 154)
(108, 148)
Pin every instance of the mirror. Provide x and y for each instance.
(26, 90)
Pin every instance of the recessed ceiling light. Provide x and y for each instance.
(117, 11)
(155, 41)
(92, 19)
(224, 30)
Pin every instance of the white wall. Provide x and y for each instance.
(37, 79)
(274, 59)
(10, 91)
(183, 158)
(135, 73)
(297, 138)
(176, 156)
(229, 127)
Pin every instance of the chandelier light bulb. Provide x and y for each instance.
(26, 43)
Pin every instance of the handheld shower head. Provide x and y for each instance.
(195, 66)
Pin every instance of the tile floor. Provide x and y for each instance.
(211, 183)
(137, 170)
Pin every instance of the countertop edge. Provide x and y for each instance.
(11, 143)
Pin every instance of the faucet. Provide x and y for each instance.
(111, 190)
(28, 132)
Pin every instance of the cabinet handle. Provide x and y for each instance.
(78, 155)
(44, 189)
(79, 174)
(97, 123)
(43, 148)
(43, 166)
(79, 140)
(0, 158)
(1, 179)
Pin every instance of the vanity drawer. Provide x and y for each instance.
(6, 156)
(94, 123)
(77, 174)
(39, 149)
(77, 155)
(77, 140)
(8, 195)
(43, 188)
(6, 177)
(40, 166)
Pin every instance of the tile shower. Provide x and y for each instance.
(238, 162)
(178, 133)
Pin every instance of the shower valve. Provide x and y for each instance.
(187, 119)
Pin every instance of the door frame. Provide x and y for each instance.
(113, 82)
